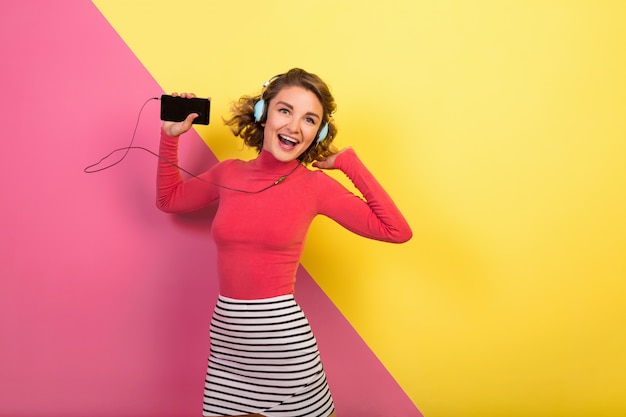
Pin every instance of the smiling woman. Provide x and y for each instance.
(264, 358)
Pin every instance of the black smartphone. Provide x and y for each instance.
(176, 109)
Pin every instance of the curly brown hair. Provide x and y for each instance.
(243, 124)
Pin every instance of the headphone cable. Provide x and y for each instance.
(90, 169)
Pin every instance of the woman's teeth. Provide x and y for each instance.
(287, 140)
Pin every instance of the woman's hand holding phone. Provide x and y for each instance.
(178, 128)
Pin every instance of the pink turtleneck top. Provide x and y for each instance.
(260, 235)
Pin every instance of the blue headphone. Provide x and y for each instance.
(259, 109)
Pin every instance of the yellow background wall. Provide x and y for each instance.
(499, 128)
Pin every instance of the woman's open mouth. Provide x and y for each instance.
(287, 141)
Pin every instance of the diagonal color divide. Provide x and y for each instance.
(107, 300)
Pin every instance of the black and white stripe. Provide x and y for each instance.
(264, 359)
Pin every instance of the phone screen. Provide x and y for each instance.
(176, 109)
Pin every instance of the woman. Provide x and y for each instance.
(264, 360)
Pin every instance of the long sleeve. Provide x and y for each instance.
(174, 195)
(377, 217)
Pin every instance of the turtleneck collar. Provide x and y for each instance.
(266, 162)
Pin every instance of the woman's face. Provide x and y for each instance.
(293, 119)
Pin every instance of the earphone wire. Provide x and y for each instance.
(89, 169)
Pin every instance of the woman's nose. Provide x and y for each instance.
(293, 125)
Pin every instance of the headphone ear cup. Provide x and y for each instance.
(259, 107)
(323, 133)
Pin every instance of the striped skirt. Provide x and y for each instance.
(264, 359)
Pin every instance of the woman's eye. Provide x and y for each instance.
(310, 120)
(284, 111)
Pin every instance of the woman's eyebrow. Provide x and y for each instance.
(310, 113)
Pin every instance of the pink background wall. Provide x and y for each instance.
(104, 300)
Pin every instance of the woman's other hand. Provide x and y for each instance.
(329, 162)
